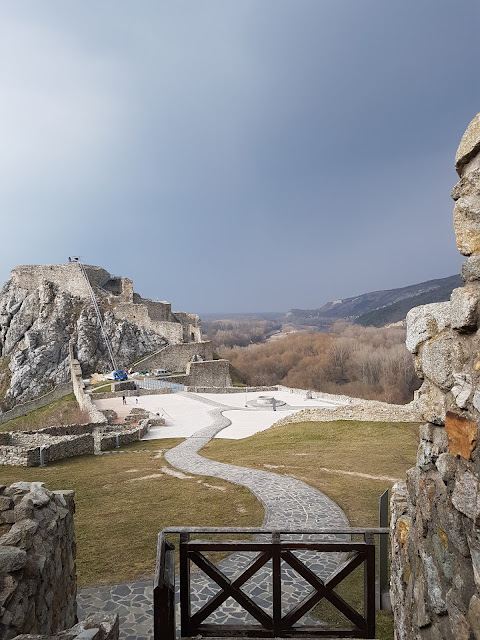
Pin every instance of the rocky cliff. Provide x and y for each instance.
(44, 307)
(436, 515)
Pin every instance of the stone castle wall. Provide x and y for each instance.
(84, 401)
(68, 277)
(435, 586)
(175, 357)
(37, 560)
(139, 314)
(208, 373)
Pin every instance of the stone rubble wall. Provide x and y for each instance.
(22, 448)
(108, 440)
(38, 582)
(100, 626)
(371, 411)
(435, 524)
(229, 389)
(60, 391)
(352, 409)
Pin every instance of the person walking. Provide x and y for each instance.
(123, 398)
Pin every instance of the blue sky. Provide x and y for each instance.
(249, 155)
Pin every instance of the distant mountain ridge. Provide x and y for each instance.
(378, 308)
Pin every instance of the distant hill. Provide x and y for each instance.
(377, 308)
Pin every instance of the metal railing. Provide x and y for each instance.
(269, 547)
(158, 384)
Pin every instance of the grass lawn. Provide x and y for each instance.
(60, 412)
(305, 450)
(124, 500)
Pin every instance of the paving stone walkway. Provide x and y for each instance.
(288, 503)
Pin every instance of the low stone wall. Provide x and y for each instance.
(139, 392)
(60, 391)
(109, 440)
(70, 430)
(22, 448)
(320, 395)
(38, 583)
(100, 626)
(197, 389)
(19, 456)
(366, 410)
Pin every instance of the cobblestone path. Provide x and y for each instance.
(288, 503)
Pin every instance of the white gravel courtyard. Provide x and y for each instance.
(186, 412)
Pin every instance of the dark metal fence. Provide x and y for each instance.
(268, 547)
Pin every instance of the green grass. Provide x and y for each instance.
(120, 511)
(60, 412)
(304, 450)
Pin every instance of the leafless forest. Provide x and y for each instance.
(359, 361)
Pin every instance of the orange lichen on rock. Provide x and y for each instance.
(462, 435)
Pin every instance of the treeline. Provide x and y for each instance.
(357, 361)
(242, 331)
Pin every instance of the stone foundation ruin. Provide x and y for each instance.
(435, 585)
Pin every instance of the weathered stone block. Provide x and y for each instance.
(12, 559)
(471, 268)
(457, 618)
(462, 389)
(440, 357)
(469, 145)
(425, 322)
(446, 464)
(23, 510)
(465, 496)
(474, 615)
(462, 435)
(431, 401)
(463, 308)
(466, 223)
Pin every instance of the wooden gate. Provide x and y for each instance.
(278, 551)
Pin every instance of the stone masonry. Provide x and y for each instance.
(38, 583)
(435, 584)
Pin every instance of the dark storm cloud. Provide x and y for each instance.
(237, 155)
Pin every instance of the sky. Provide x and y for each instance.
(240, 155)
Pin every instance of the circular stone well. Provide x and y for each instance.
(267, 401)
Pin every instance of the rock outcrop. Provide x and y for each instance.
(435, 584)
(44, 307)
